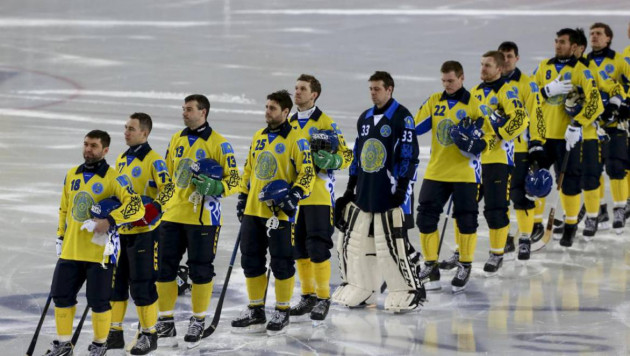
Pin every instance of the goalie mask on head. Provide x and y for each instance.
(538, 183)
(273, 192)
(325, 140)
(574, 102)
(208, 167)
(103, 208)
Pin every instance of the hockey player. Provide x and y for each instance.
(314, 226)
(557, 77)
(137, 263)
(80, 251)
(193, 220)
(611, 70)
(509, 119)
(375, 245)
(277, 153)
(528, 148)
(454, 169)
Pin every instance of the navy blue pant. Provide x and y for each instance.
(517, 184)
(69, 277)
(254, 245)
(435, 194)
(496, 181)
(313, 233)
(137, 268)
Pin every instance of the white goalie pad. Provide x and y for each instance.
(395, 263)
(357, 260)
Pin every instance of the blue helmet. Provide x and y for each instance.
(208, 167)
(273, 192)
(538, 183)
(103, 208)
(326, 140)
(574, 102)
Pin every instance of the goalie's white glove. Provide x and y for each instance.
(59, 245)
(558, 87)
(572, 135)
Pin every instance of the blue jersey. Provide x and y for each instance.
(385, 150)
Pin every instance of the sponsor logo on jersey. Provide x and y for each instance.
(280, 148)
(373, 156)
(443, 132)
(266, 165)
(81, 206)
(461, 114)
(97, 188)
(200, 154)
(386, 131)
(136, 172)
(182, 173)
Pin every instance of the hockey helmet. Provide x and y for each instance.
(326, 140)
(208, 167)
(574, 102)
(273, 192)
(103, 208)
(538, 183)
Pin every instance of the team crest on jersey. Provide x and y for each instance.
(373, 156)
(200, 154)
(534, 87)
(81, 206)
(610, 68)
(461, 114)
(386, 131)
(136, 172)
(409, 123)
(182, 173)
(280, 148)
(266, 166)
(494, 101)
(443, 131)
(97, 188)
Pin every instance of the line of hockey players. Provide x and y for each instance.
(133, 222)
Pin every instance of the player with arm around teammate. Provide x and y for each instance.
(81, 248)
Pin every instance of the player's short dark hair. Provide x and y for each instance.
(202, 102)
(452, 66)
(581, 37)
(573, 35)
(316, 86)
(144, 120)
(508, 46)
(498, 57)
(607, 30)
(387, 79)
(283, 98)
(101, 135)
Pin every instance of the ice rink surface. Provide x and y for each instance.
(67, 67)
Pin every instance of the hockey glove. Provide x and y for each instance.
(151, 211)
(573, 135)
(340, 206)
(240, 206)
(467, 136)
(59, 245)
(208, 186)
(536, 154)
(624, 110)
(498, 120)
(611, 111)
(326, 160)
(289, 203)
(557, 87)
(602, 135)
(400, 195)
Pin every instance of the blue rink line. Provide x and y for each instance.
(565, 340)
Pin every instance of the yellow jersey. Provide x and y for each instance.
(185, 148)
(323, 192)
(529, 94)
(281, 153)
(83, 187)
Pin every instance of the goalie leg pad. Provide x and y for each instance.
(357, 260)
(395, 262)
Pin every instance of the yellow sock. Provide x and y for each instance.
(628, 181)
(167, 296)
(467, 247)
(571, 206)
(591, 202)
(458, 236)
(322, 279)
(619, 190)
(429, 244)
(118, 313)
(305, 272)
(100, 325)
(148, 315)
(539, 210)
(497, 239)
(256, 287)
(200, 298)
(284, 292)
(602, 189)
(63, 319)
(525, 220)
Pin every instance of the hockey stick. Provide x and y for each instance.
(31, 347)
(217, 313)
(448, 212)
(77, 332)
(545, 240)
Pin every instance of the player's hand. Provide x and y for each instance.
(573, 135)
(611, 111)
(59, 245)
(240, 206)
(151, 211)
(208, 186)
(558, 87)
(340, 206)
(289, 203)
(326, 160)
(536, 154)
(101, 227)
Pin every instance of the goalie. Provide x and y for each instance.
(374, 246)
